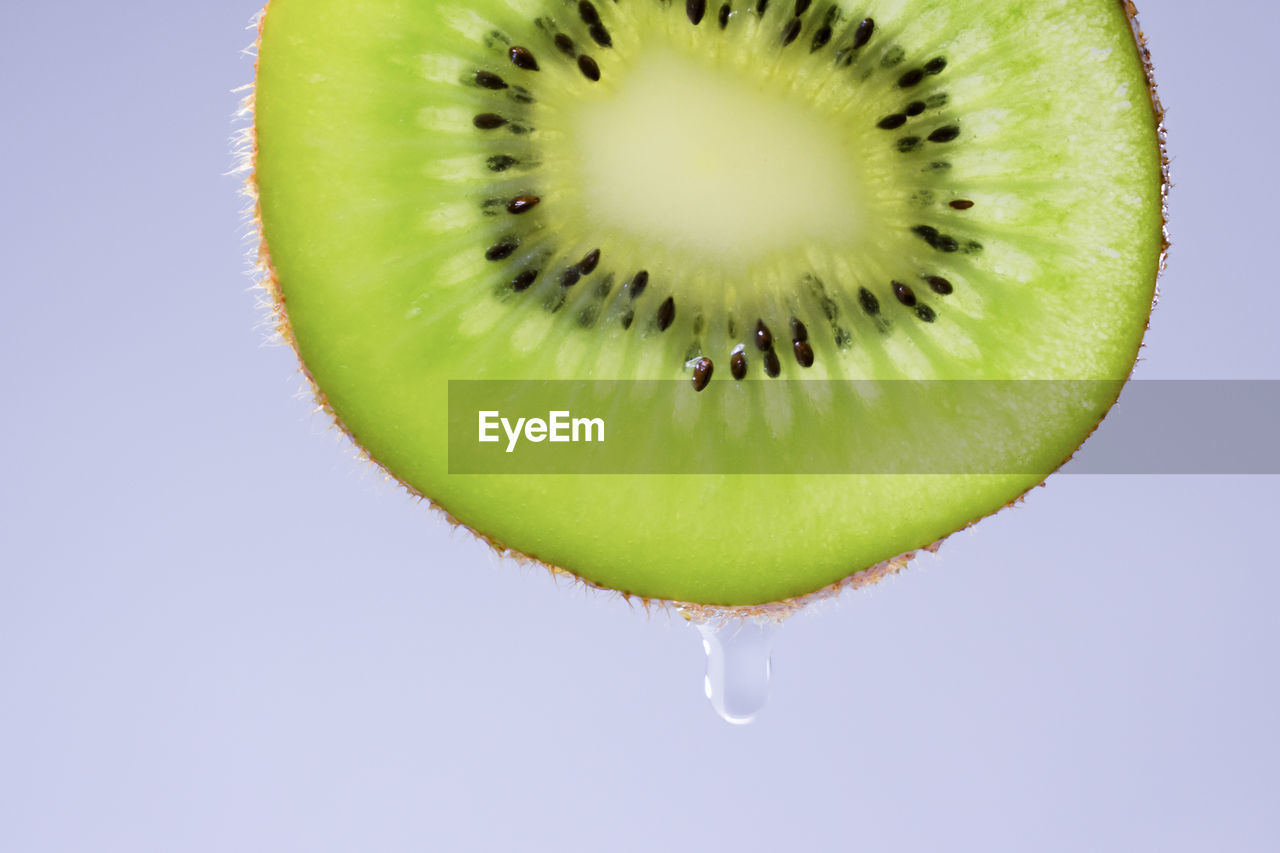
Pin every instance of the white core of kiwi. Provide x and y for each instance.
(693, 157)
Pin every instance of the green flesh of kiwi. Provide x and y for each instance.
(729, 194)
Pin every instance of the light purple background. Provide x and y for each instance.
(220, 632)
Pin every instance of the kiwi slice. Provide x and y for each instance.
(753, 198)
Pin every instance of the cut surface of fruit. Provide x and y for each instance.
(767, 202)
(687, 154)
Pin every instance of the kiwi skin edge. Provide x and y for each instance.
(245, 153)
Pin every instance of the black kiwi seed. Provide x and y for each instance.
(868, 301)
(702, 370)
(695, 9)
(761, 7)
(565, 45)
(915, 108)
(570, 276)
(764, 338)
(489, 80)
(522, 203)
(638, 284)
(521, 57)
(934, 66)
(803, 352)
(501, 162)
(939, 285)
(587, 11)
(666, 313)
(927, 233)
(488, 121)
(893, 57)
(961, 204)
(792, 30)
(798, 331)
(892, 122)
(600, 35)
(908, 143)
(938, 100)
(820, 39)
(947, 133)
(904, 294)
(802, 6)
(502, 250)
(589, 261)
(523, 280)
(771, 365)
(924, 312)
(738, 364)
(972, 247)
(588, 67)
(627, 318)
(723, 18)
(862, 34)
(910, 78)
(521, 95)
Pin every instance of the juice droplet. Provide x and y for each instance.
(738, 666)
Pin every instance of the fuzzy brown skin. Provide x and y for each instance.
(247, 151)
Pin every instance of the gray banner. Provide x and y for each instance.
(863, 427)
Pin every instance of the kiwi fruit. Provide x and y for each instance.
(754, 202)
